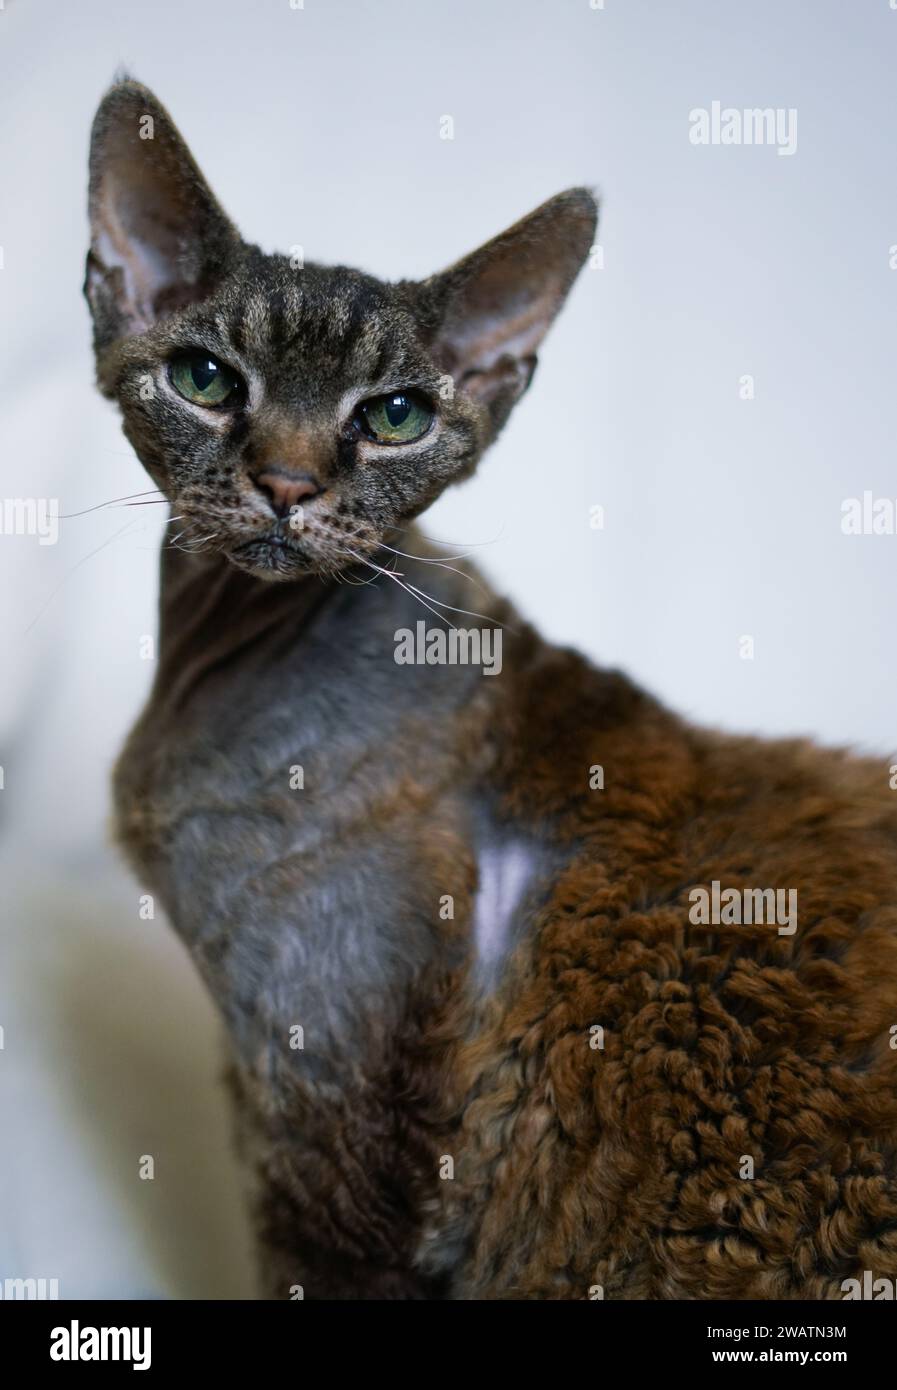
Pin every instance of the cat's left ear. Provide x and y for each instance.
(486, 315)
(158, 238)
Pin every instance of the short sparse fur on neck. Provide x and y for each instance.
(480, 1046)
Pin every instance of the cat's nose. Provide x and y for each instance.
(287, 490)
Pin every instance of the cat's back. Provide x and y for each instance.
(692, 1089)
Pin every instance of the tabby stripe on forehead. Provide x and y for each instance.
(365, 343)
(236, 335)
(381, 345)
(240, 321)
(277, 318)
(254, 321)
(293, 298)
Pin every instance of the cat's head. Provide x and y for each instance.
(294, 415)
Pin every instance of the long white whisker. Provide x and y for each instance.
(468, 545)
(441, 565)
(466, 611)
(425, 559)
(391, 574)
(114, 502)
(193, 544)
(67, 576)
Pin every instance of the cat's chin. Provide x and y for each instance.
(273, 559)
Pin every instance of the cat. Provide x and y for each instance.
(532, 989)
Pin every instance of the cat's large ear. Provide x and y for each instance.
(159, 240)
(487, 314)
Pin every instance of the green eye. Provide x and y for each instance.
(395, 419)
(201, 379)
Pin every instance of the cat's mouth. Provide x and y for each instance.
(284, 554)
(273, 555)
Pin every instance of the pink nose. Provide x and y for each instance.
(287, 490)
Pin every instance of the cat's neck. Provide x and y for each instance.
(216, 620)
(213, 614)
(210, 612)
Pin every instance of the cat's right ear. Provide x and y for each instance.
(158, 238)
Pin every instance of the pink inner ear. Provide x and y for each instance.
(144, 270)
(507, 377)
(159, 238)
(481, 340)
(133, 235)
(499, 302)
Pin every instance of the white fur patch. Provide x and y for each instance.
(505, 872)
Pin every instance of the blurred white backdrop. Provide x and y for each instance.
(722, 515)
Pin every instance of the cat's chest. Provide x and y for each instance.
(291, 763)
(304, 834)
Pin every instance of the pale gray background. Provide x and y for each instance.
(321, 126)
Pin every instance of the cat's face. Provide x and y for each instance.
(294, 419)
(297, 417)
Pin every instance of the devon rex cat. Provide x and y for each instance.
(516, 1006)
